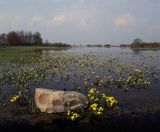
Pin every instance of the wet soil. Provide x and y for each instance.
(120, 122)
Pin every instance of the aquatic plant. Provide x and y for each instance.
(20, 100)
(98, 103)
(73, 115)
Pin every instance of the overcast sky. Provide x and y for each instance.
(84, 21)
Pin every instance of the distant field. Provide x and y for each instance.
(8, 54)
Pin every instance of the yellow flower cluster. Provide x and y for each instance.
(15, 98)
(94, 98)
(98, 110)
(97, 105)
(92, 91)
(73, 115)
(110, 101)
(92, 94)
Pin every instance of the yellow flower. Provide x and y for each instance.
(14, 99)
(104, 96)
(85, 82)
(110, 101)
(72, 118)
(92, 90)
(72, 115)
(94, 105)
(96, 99)
(98, 110)
(69, 112)
(101, 108)
(99, 113)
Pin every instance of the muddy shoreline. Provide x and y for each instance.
(124, 122)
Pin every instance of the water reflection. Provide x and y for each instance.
(139, 51)
(115, 51)
(50, 51)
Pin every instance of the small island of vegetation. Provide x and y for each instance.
(138, 43)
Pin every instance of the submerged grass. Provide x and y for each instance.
(8, 54)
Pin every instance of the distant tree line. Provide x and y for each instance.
(59, 44)
(125, 45)
(94, 45)
(18, 38)
(107, 45)
(56, 44)
(98, 45)
(138, 43)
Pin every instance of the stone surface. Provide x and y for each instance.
(53, 101)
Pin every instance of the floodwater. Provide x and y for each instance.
(132, 99)
(78, 69)
(145, 99)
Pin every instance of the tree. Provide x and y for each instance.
(137, 41)
(21, 38)
(3, 39)
(37, 39)
(13, 38)
(21, 35)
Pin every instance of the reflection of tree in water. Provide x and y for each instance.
(136, 51)
(139, 50)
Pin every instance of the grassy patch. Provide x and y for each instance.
(9, 54)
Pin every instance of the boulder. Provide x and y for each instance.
(54, 101)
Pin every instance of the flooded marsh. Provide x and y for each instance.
(130, 78)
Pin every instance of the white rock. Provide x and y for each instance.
(53, 101)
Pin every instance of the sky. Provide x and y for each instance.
(84, 21)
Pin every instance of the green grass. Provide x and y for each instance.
(8, 54)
